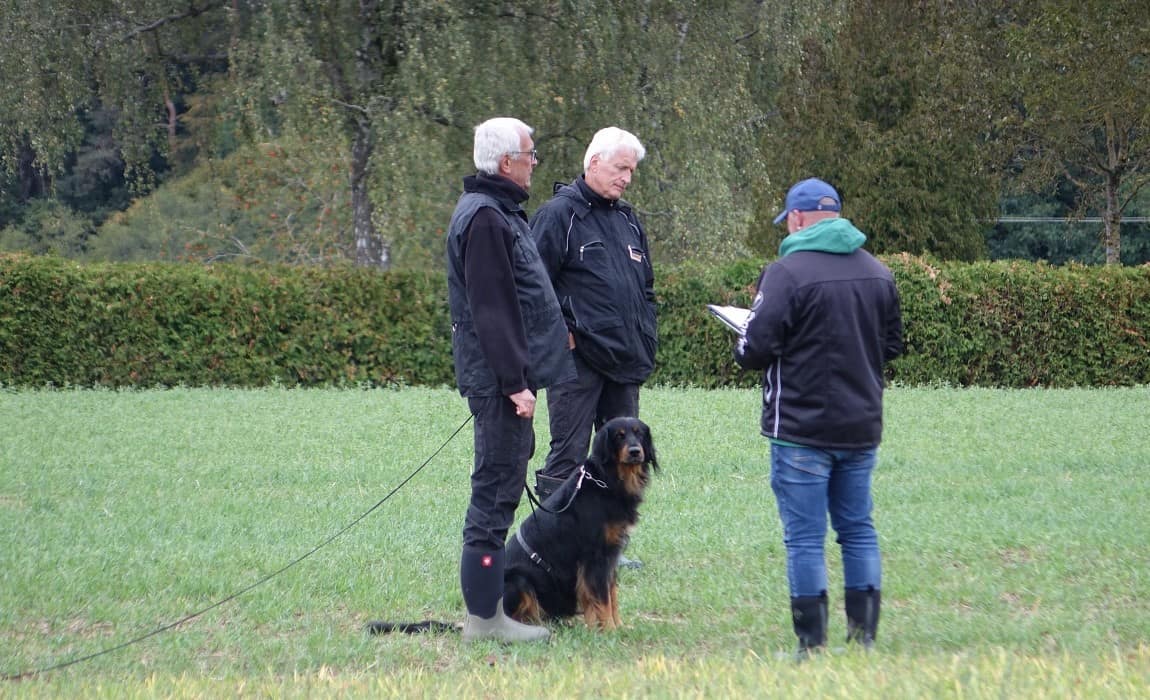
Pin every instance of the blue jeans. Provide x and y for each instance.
(809, 483)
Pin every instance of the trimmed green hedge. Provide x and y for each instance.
(1019, 324)
(177, 324)
(145, 325)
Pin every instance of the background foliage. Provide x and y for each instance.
(982, 324)
(303, 132)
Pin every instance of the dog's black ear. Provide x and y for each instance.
(649, 447)
(601, 446)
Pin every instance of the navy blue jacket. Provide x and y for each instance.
(596, 253)
(822, 326)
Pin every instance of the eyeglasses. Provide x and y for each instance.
(533, 152)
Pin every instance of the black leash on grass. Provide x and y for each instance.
(187, 618)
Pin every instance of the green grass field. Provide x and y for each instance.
(1014, 526)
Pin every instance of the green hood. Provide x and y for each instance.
(835, 235)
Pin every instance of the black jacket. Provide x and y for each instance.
(596, 253)
(823, 325)
(507, 333)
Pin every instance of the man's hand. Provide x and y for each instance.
(524, 403)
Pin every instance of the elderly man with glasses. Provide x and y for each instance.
(508, 341)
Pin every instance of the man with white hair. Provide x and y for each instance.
(508, 341)
(597, 255)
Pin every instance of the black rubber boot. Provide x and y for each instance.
(545, 485)
(862, 609)
(481, 577)
(809, 615)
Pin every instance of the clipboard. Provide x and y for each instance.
(733, 317)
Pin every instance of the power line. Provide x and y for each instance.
(1064, 220)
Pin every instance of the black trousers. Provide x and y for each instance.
(577, 409)
(504, 443)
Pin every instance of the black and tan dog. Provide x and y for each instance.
(563, 560)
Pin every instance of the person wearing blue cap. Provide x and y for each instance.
(825, 320)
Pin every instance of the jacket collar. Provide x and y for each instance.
(510, 195)
(836, 235)
(589, 199)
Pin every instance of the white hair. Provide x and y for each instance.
(494, 138)
(607, 142)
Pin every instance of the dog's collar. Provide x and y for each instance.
(584, 474)
(531, 553)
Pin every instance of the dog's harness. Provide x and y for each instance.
(531, 553)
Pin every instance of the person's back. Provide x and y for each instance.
(840, 323)
(824, 321)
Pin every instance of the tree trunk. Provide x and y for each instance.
(370, 250)
(173, 120)
(33, 178)
(1112, 221)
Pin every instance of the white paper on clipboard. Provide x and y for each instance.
(733, 317)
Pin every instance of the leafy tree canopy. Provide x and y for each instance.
(339, 131)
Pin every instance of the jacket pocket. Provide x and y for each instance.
(591, 248)
(603, 344)
(471, 371)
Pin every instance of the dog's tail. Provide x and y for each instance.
(384, 627)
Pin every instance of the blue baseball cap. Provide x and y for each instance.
(811, 195)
